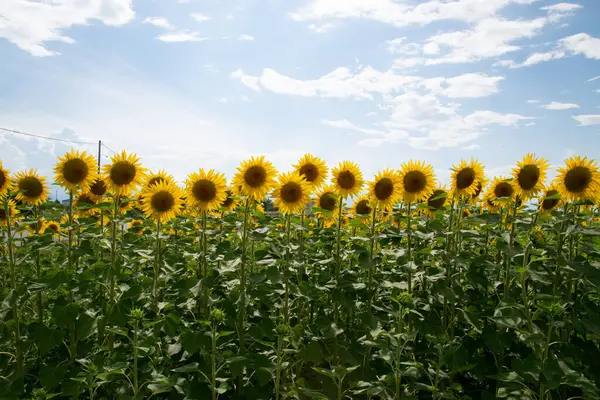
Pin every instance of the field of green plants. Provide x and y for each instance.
(314, 284)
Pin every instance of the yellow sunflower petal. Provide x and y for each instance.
(530, 175)
(579, 179)
(386, 189)
(206, 190)
(313, 169)
(162, 201)
(347, 179)
(32, 188)
(124, 174)
(418, 181)
(466, 176)
(255, 178)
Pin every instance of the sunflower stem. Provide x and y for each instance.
(38, 271)
(14, 297)
(338, 264)
(242, 305)
(156, 261)
(70, 248)
(372, 242)
(286, 307)
(409, 247)
(113, 267)
(204, 262)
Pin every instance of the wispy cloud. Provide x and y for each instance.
(560, 106)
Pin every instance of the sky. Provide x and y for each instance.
(189, 84)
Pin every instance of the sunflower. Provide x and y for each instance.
(12, 212)
(206, 190)
(529, 175)
(489, 202)
(347, 179)
(362, 208)
(76, 170)
(36, 227)
(5, 181)
(260, 208)
(327, 200)
(230, 203)
(386, 188)
(255, 177)
(98, 189)
(126, 204)
(32, 189)
(124, 174)
(418, 181)
(83, 203)
(291, 193)
(64, 220)
(502, 191)
(579, 179)
(466, 176)
(437, 199)
(313, 169)
(550, 199)
(52, 227)
(159, 176)
(162, 201)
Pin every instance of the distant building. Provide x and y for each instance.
(65, 202)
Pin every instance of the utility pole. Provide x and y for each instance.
(99, 154)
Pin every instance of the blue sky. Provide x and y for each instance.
(207, 83)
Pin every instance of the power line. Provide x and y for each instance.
(44, 137)
(108, 148)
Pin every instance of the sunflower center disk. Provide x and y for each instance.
(346, 180)
(75, 171)
(228, 201)
(503, 189)
(528, 177)
(578, 179)
(465, 178)
(162, 201)
(478, 190)
(549, 204)
(2, 215)
(362, 208)
(255, 176)
(434, 202)
(309, 171)
(414, 181)
(85, 199)
(122, 173)
(98, 188)
(291, 192)
(2, 179)
(327, 202)
(384, 189)
(204, 190)
(31, 187)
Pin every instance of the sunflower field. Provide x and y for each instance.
(316, 283)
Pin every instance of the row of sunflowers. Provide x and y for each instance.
(313, 283)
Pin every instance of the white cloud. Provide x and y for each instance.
(592, 79)
(342, 83)
(532, 101)
(321, 28)
(29, 25)
(200, 17)
(560, 106)
(491, 37)
(160, 22)
(400, 46)
(180, 36)
(582, 43)
(587, 120)
(530, 124)
(562, 7)
(402, 14)
(245, 37)
(471, 147)
(222, 100)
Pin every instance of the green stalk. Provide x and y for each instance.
(409, 249)
(205, 261)
(113, 266)
(511, 239)
(278, 369)
(372, 241)
(242, 311)
(38, 270)
(286, 307)
(338, 259)
(13, 280)
(398, 373)
(213, 361)
(70, 248)
(156, 261)
(524, 288)
(136, 387)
